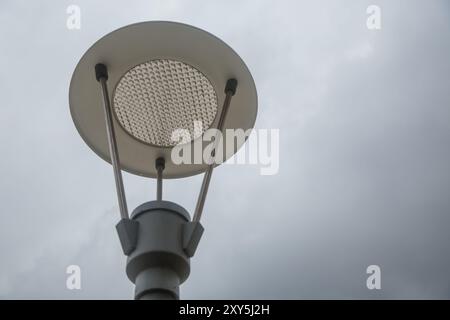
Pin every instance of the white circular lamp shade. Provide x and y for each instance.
(163, 76)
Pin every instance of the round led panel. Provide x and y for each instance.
(155, 98)
(163, 76)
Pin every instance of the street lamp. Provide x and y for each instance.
(129, 93)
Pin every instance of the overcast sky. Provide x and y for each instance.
(364, 119)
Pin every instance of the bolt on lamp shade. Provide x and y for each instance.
(162, 76)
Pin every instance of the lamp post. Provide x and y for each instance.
(129, 93)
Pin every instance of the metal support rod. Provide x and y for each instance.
(230, 90)
(101, 74)
(160, 164)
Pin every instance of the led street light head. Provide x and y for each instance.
(161, 76)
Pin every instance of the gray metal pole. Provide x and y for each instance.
(230, 90)
(160, 264)
(101, 74)
(157, 295)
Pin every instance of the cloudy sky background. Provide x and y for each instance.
(364, 119)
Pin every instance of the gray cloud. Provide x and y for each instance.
(364, 158)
